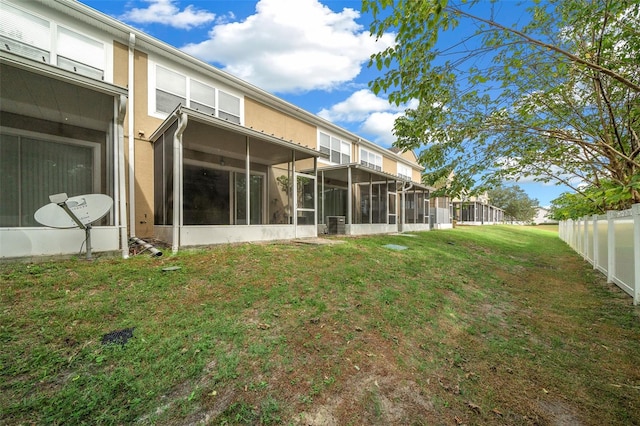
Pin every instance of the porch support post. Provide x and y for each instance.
(177, 180)
(119, 190)
(315, 193)
(321, 209)
(294, 195)
(349, 198)
(370, 199)
(247, 172)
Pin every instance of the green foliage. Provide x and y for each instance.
(514, 201)
(572, 206)
(594, 200)
(554, 97)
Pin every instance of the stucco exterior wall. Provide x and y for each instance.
(262, 118)
(144, 125)
(143, 148)
(389, 165)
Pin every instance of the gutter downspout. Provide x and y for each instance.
(121, 193)
(130, 124)
(177, 179)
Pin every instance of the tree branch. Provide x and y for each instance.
(556, 49)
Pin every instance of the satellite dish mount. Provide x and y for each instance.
(61, 200)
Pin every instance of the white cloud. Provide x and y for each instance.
(375, 115)
(356, 107)
(380, 126)
(291, 46)
(166, 12)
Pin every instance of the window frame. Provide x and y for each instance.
(61, 29)
(50, 53)
(377, 159)
(404, 168)
(95, 147)
(233, 199)
(342, 149)
(188, 99)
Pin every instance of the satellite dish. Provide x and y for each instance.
(86, 208)
(75, 212)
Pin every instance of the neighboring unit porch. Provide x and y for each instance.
(476, 213)
(371, 201)
(231, 183)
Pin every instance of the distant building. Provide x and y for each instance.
(476, 210)
(542, 216)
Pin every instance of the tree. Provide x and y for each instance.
(570, 206)
(514, 201)
(593, 200)
(556, 99)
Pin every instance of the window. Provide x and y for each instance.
(171, 90)
(34, 166)
(370, 159)
(373, 203)
(337, 150)
(256, 195)
(325, 144)
(229, 107)
(404, 172)
(80, 54)
(30, 36)
(203, 97)
(25, 34)
(210, 193)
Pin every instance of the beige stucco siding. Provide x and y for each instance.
(409, 155)
(143, 148)
(262, 118)
(143, 125)
(389, 166)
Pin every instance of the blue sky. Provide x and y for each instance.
(312, 53)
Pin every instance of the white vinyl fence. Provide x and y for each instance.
(611, 243)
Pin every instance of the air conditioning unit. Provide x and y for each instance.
(335, 225)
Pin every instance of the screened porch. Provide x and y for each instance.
(60, 132)
(371, 201)
(231, 183)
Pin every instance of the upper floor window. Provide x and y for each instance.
(370, 159)
(337, 150)
(229, 107)
(35, 38)
(173, 88)
(80, 54)
(25, 34)
(203, 97)
(404, 172)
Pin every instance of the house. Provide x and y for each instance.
(190, 154)
(542, 216)
(476, 210)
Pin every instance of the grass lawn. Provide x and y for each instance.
(475, 325)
